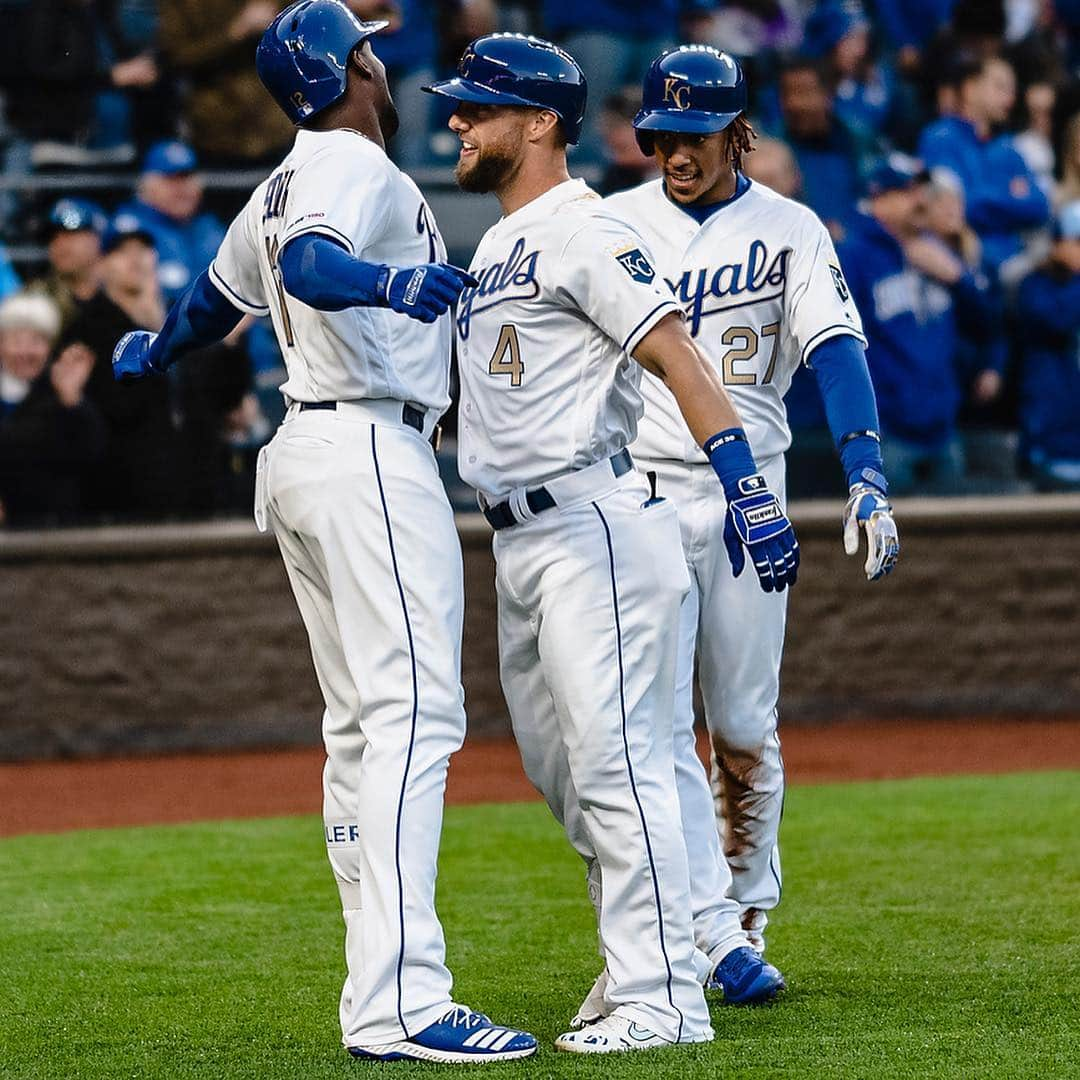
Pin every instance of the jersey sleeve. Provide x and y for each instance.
(344, 193)
(235, 269)
(608, 274)
(818, 303)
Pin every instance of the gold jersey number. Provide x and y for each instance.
(506, 359)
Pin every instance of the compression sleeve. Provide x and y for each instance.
(319, 272)
(843, 378)
(199, 318)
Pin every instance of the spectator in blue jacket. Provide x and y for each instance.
(614, 41)
(914, 295)
(1048, 306)
(167, 206)
(1003, 197)
(829, 155)
(838, 34)
(910, 25)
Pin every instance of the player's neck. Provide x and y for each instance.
(356, 116)
(528, 184)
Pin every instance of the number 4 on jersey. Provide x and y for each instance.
(506, 360)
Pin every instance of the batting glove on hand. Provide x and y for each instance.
(131, 359)
(756, 521)
(423, 292)
(867, 506)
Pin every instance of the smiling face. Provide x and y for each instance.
(696, 168)
(493, 141)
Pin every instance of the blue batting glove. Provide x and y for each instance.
(868, 508)
(423, 292)
(132, 358)
(756, 521)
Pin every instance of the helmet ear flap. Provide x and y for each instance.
(644, 141)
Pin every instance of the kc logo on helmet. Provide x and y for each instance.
(677, 92)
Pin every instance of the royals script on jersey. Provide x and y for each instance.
(761, 287)
(343, 186)
(567, 291)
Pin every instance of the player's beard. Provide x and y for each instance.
(489, 171)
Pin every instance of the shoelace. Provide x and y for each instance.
(460, 1016)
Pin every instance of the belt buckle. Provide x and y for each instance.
(436, 438)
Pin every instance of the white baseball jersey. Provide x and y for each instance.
(761, 287)
(567, 291)
(343, 186)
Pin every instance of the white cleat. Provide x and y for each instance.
(594, 1007)
(616, 1034)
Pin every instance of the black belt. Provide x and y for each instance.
(410, 414)
(501, 516)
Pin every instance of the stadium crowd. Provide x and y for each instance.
(938, 139)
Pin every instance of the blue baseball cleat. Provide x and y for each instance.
(746, 978)
(460, 1036)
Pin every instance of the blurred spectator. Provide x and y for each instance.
(838, 35)
(233, 122)
(73, 239)
(828, 153)
(9, 279)
(614, 41)
(625, 165)
(773, 164)
(67, 92)
(1049, 310)
(747, 28)
(134, 478)
(49, 434)
(1034, 143)
(980, 358)
(910, 25)
(913, 294)
(1069, 188)
(1003, 198)
(167, 206)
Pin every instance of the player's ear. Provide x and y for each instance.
(544, 121)
(361, 62)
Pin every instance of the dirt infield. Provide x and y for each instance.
(54, 796)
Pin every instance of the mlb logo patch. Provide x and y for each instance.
(839, 283)
(637, 265)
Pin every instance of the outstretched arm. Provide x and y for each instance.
(201, 317)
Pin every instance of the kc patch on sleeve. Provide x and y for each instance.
(634, 262)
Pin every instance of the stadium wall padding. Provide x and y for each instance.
(163, 638)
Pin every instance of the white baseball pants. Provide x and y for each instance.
(738, 633)
(589, 596)
(374, 560)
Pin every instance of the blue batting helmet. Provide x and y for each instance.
(694, 89)
(303, 57)
(513, 69)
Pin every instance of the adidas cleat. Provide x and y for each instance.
(459, 1037)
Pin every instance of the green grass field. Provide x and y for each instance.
(929, 929)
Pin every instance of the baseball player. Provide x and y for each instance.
(341, 250)
(763, 292)
(589, 573)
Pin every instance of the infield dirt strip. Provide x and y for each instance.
(55, 796)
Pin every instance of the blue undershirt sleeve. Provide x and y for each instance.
(201, 317)
(319, 272)
(839, 365)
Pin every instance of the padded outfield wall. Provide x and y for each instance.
(186, 637)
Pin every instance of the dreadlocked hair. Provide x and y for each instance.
(741, 136)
